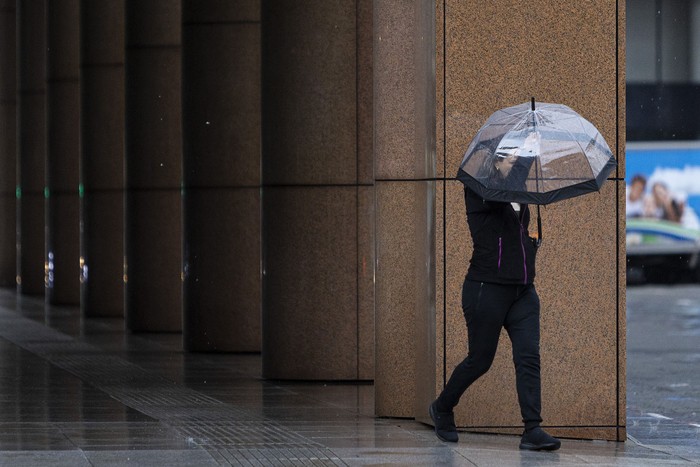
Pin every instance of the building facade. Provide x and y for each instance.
(278, 177)
(663, 63)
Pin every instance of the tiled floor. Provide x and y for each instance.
(85, 393)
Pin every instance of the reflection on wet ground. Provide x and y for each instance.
(663, 381)
(85, 392)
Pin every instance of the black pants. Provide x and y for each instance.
(488, 308)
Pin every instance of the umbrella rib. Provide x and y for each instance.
(538, 174)
(561, 178)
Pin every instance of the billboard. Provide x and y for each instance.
(667, 178)
(662, 206)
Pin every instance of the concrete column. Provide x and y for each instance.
(676, 33)
(153, 166)
(63, 151)
(404, 122)
(31, 143)
(693, 40)
(580, 270)
(102, 156)
(318, 193)
(221, 151)
(581, 264)
(8, 144)
(642, 40)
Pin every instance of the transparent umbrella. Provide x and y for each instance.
(553, 154)
(536, 155)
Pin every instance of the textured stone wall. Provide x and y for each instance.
(490, 55)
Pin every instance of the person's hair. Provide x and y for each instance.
(488, 167)
(639, 178)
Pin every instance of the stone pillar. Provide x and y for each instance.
(317, 193)
(693, 38)
(153, 166)
(31, 143)
(581, 264)
(8, 144)
(63, 152)
(404, 169)
(643, 26)
(676, 26)
(221, 171)
(102, 157)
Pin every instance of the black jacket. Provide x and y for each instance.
(503, 253)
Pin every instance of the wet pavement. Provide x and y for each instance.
(663, 368)
(85, 392)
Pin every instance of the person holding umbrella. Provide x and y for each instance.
(498, 292)
(518, 157)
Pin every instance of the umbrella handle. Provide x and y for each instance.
(539, 227)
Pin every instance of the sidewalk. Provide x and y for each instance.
(90, 394)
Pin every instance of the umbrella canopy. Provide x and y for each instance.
(536, 155)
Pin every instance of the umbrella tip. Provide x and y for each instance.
(532, 103)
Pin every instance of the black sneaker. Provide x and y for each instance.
(444, 422)
(537, 439)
